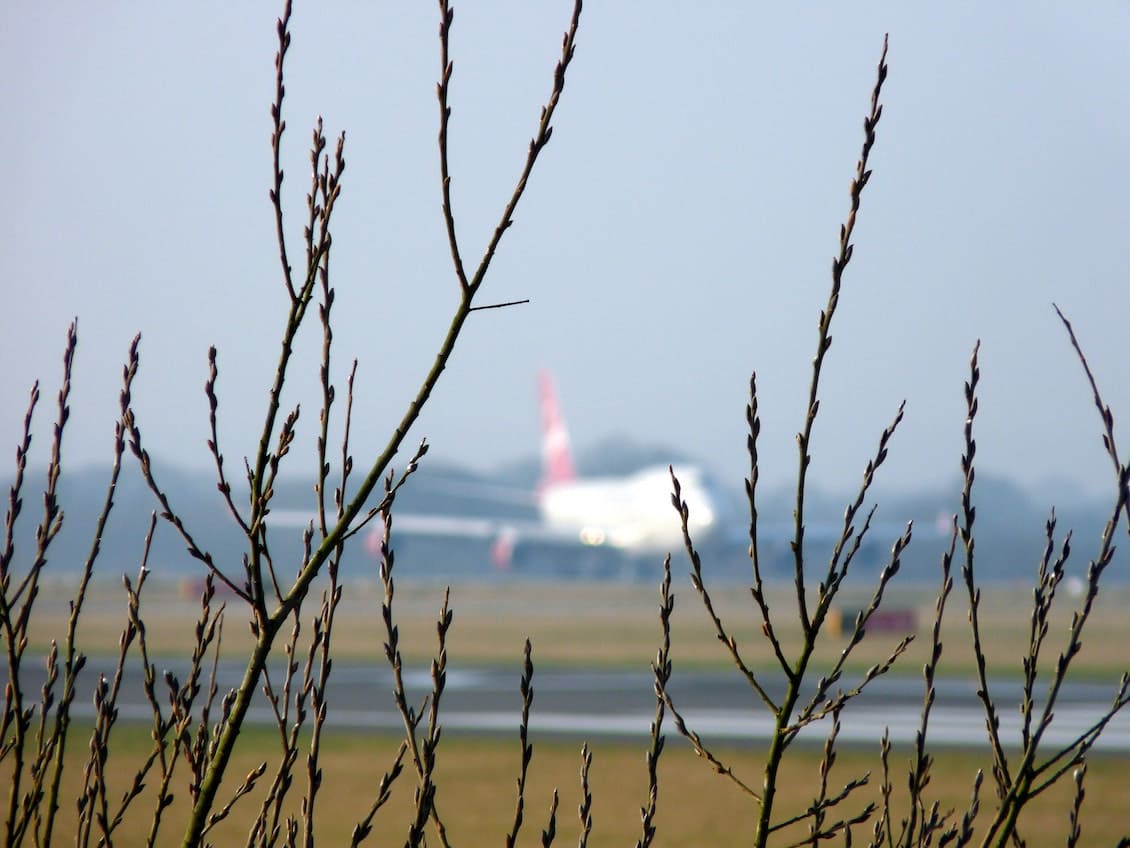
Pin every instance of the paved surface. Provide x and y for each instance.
(586, 704)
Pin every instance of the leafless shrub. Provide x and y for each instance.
(290, 661)
(1018, 775)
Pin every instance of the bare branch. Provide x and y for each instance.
(839, 263)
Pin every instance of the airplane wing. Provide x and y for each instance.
(504, 535)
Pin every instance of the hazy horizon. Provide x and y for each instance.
(676, 235)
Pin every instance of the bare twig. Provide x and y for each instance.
(549, 833)
(222, 483)
(384, 791)
(500, 305)
(584, 809)
(1103, 410)
(788, 720)
(1001, 774)
(16, 606)
(839, 263)
(1075, 830)
(662, 672)
(758, 588)
(325, 189)
(527, 749)
(699, 585)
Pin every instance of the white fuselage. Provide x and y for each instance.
(633, 513)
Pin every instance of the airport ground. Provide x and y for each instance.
(609, 625)
(606, 627)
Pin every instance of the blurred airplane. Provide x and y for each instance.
(595, 527)
(631, 513)
(610, 527)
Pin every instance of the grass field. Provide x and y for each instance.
(608, 626)
(477, 792)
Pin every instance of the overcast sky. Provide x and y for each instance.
(677, 233)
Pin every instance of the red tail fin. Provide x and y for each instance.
(557, 458)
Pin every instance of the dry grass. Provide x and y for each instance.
(476, 791)
(597, 625)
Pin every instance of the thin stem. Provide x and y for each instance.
(527, 689)
(758, 588)
(267, 624)
(73, 660)
(16, 605)
(661, 669)
(839, 263)
(697, 582)
(282, 27)
(781, 733)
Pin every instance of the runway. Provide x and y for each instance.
(586, 704)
